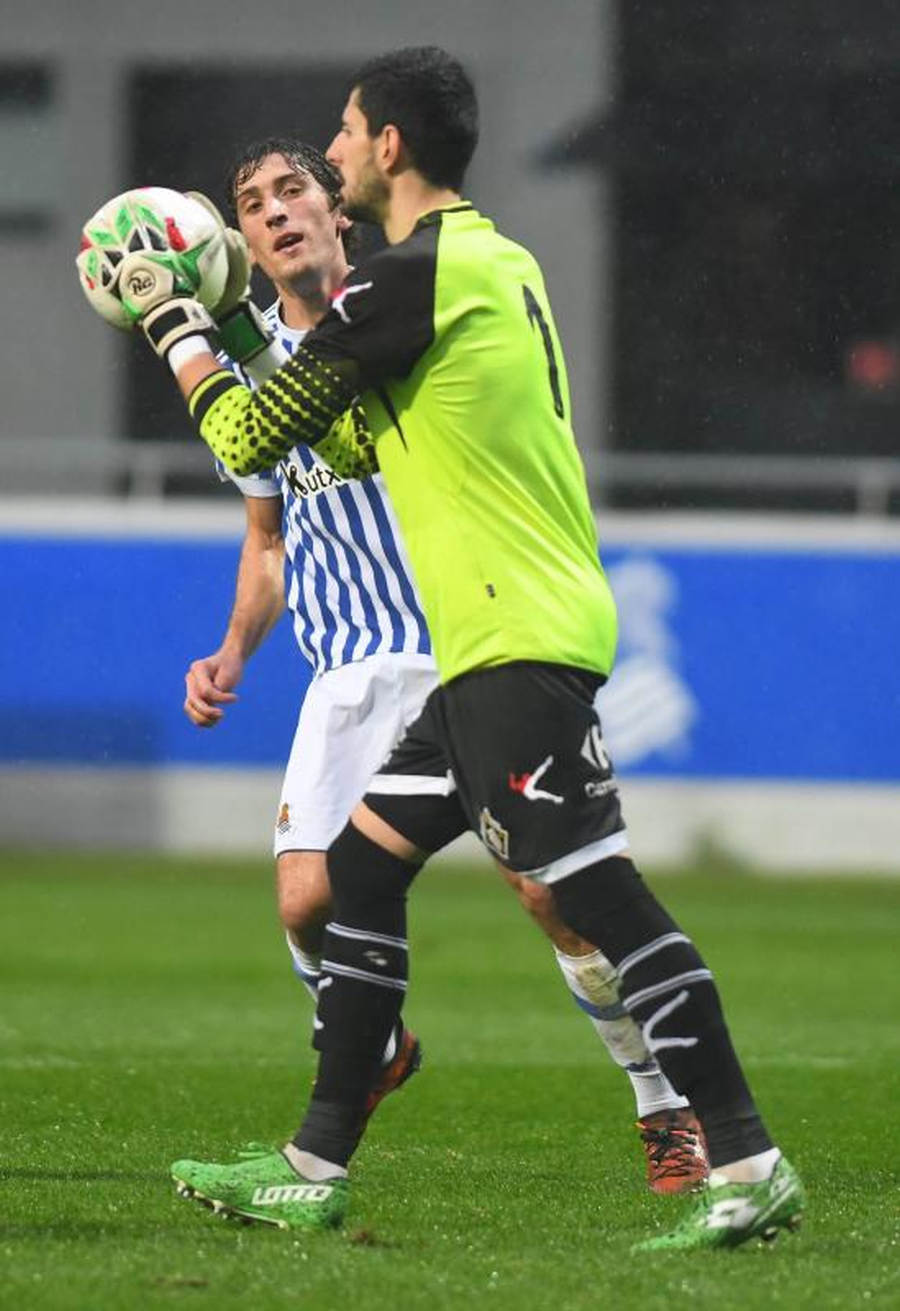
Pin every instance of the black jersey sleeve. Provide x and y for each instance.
(382, 319)
(379, 325)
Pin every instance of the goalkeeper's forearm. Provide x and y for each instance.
(251, 431)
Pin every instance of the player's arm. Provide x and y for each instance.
(258, 604)
(379, 325)
(301, 402)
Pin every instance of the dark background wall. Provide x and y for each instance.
(757, 274)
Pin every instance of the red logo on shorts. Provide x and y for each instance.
(526, 784)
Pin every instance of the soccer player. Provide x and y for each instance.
(358, 623)
(447, 340)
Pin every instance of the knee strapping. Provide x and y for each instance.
(629, 925)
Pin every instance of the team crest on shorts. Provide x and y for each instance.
(283, 823)
(494, 836)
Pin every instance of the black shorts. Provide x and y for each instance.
(515, 753)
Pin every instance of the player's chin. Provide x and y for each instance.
(289, 262)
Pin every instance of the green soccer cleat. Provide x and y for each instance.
(729, 1214)
(263, 1188)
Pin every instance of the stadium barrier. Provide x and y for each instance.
(754, 710)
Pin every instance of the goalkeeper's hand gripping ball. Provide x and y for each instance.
(146, 247)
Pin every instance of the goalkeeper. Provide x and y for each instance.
(337, 534)
(448, 340)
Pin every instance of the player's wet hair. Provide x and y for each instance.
(428, 95)
(301, 156)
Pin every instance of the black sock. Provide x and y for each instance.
(361, 991)
(669, 991)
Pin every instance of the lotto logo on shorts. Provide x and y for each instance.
(494, 836)
(283, 822)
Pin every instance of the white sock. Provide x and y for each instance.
(652, 1090)
(594, 983)
(309, 1166)
(308, 969)
(748, 1170)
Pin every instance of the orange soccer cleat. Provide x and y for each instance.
(401, 1068)
(676, 1151)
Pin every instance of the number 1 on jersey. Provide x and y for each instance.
(536, 315)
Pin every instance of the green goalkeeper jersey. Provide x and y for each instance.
(449, 338)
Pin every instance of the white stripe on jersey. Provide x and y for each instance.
(350, 586)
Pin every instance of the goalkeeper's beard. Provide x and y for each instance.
(369, 202)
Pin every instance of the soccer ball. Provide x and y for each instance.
(176, 232)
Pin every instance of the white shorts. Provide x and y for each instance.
(350, 722)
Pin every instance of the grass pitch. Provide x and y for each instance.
(150, 1013)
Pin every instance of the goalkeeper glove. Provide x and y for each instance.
(152, 257)
(150, 295)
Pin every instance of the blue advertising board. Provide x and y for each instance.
(736, 661)
(774, 664)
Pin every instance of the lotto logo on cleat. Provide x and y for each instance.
(276, 1194)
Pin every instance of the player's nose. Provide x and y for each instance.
(275, 213)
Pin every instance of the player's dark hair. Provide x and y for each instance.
(429, 97)
(301, 156)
